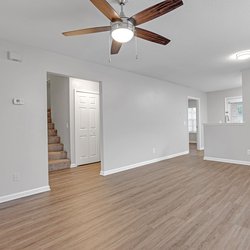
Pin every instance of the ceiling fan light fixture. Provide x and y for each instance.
(243, 55)
(122, 28)
(122, 32)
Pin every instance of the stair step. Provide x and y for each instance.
(57, 155)
(52, 132)
(51, 125)
(53, 139)
(59, 164)
(55, 147)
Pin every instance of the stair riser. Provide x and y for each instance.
(52, 132)
(51, 126)
(54, 139)
(49, 120)
(54, 148)
(58, 166)
(58, 156)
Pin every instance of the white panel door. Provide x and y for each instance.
(87, 128)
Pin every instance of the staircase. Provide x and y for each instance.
(57, 156)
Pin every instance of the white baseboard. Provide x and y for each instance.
(141, 164)
(207, 158)
(15, 196)
(192, 141)
(73, 165)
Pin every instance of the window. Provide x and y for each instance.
(233, 110)
(192, 126)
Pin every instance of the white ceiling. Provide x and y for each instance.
(204, 34)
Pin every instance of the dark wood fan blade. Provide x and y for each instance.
(115, 48)
(106, 9)
(87, 31)
(155, 11)
(150, 36)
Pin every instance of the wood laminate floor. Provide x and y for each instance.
(182, 203)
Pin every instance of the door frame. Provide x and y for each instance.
(199, 132)
(72, 115)
(72, 120)
(99, 122)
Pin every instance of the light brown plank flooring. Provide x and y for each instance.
(182, 203)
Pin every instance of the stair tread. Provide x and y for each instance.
(59, 161)
(56, 144)
(56, 152)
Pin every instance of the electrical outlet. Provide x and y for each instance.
(248, 152)
(16, 177)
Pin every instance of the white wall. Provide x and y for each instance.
(48, 95)
(216, 104)
(246, 98)
(23, 130)
(139, 113)
(59, 98)
(230, 142)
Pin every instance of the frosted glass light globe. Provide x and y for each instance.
(122, 35)
(122, 31)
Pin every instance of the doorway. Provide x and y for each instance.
(73, 121)
(193, 123)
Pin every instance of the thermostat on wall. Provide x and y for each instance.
(13, 56)
(18, 101)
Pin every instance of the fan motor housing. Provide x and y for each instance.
(124, 24)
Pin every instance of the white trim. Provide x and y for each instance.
(207, 158)
(72, 91)
(73, 165)
(202, 148)
(192, 141)
(141, 164)
(15, 196)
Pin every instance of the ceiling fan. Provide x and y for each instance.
(123, 28)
